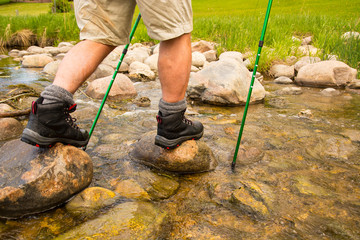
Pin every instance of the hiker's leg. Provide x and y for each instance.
(79, 63)
(174, 67)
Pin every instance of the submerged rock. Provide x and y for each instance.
(326, 74)
(91, 200)
(35, 179)
(192, 156)
(130, 220)
(10, 128)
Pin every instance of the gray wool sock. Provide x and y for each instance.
(54, 94)
(168, 108)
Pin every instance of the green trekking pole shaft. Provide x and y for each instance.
(261, 43)
(114, 75)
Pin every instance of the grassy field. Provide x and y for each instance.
(233, 24)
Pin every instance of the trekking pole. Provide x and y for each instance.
(261, 43)
(114, 75)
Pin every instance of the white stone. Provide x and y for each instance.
(152, 62)
(232, 54)
(198, 59)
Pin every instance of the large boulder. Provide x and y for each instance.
(225, 82)
(122, 88)
(129, 220)
(305, 61)
(326, 74)
(192, 156)
(10, 128)
(36, 61)
(35, 179)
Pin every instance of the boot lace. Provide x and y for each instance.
(68, 118)
(187, 121)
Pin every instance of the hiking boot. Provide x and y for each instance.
(52, 123)
(175, 129)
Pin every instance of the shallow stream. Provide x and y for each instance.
(300, 169)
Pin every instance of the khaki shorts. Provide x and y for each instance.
(109, 21)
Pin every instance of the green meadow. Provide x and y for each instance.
(235, 25)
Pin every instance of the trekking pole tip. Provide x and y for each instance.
(233, 166)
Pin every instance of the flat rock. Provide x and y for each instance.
(36, 61)
(192, 156)
(281, 70)
(35, 179)
(10, 128)
(289, 91)
(326, 74)
(130, 220)
(329, 92)
(283, 80)
(122, 88)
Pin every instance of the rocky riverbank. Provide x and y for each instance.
(298, 158)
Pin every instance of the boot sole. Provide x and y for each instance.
(37, 140)
(174, 143)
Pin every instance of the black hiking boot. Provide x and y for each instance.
(175, 129)
(52, 123)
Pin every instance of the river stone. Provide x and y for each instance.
(103, 70)
(10, 128)
(36, 179)
(305, 61)
(194, 69)
(281, 70)
(283, 80)
(37, 60)
(131, 189)
(248, 204)
(224, 82)
(306, 41)
(329, 92)
(349, 35)
(202, 46)
(65, 44)
(289, 91)
(198, 59)
(136, 55)
(192, 156)
(326, 74)
(139, 71)
(232, 54)
(308, 50)
(90, 200)
(5, 108)
(355, 84)
(52, 67)
(130, 220)
(152, 62)
(210, 55)
(36, 50)
(14, 53)
(122, 88)
(64, 49)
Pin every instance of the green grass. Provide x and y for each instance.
(234, 24)
(22, 9)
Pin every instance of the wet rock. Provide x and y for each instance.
(36, 61)
(305, 113)
(14, 53)
(349, 35)
(232, 54)
(130, 220)
(210, 55)
(326, 74)
(305, 186)
(139, 71)
(329, 92)
(52, 67)
(224, 82)
(289, 91)
(10, 128)
(353, 134)
(5, 108)
(122, 88)
(143, 102)
(35, 179)
(283, 80)
(355, 84)
(192, 156)
(305, 61)
(112, 151)
(152, 62)
(131, 189)
(198, 59)
(308, 50)
(248, 204)
(90, 200)
(103, 70)
(202, 46)
(281, 70)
